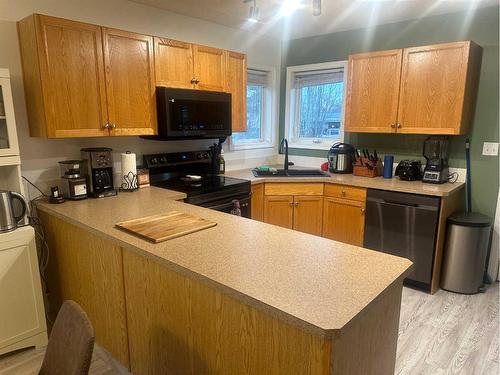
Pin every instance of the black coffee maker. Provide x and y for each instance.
(436, 155)
(98, 163)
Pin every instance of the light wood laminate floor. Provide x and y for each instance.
(445, 333)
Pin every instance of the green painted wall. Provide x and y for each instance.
(482, 28)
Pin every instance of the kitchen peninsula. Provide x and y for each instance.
(243, 297)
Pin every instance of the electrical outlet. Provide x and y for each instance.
(490, 148)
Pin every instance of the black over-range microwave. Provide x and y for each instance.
(192, 114)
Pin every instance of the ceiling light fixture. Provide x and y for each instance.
(316, 7)
(289, 6)
(253, 14)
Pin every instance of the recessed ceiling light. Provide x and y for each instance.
(289, 6)
(316, 7)
(253, 14)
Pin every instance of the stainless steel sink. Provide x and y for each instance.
(290, 173)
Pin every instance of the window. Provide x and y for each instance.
(315, 105)
(260, 104)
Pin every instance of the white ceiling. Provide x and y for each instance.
(337, 15)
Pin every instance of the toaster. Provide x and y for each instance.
(409, 170)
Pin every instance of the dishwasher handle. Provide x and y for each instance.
(402, 204)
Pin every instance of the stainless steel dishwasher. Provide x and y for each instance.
(404, 225)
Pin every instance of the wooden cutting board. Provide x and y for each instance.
(163, 227)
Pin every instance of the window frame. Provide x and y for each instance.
(268, 116)
(292, 107)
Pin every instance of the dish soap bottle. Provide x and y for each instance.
(222, 163)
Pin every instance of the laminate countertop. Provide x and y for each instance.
(391, 184)
(315, 283)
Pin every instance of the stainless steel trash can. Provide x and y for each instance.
(464, 261)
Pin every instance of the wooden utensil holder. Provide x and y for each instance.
(368, 168)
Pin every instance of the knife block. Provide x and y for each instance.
(367, 168)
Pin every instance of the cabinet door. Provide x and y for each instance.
(433, 81)
(372, 91)
(344, 220)
(237, 86)
(173, 63)
(209, 68)
(21, 311)
(308, 214)
(8, 133)
(72, 75)
(130, 82)
(278, 210)
(258, 202)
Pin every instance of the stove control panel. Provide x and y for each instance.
(164, 160)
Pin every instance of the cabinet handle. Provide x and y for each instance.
(197, 81)
(296, 204)
(393, 126)
(398, 126)
(290, 204)
(105, 126)
(363, 210)
(343, 193)
(112, 126)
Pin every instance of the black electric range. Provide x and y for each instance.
(218, 192)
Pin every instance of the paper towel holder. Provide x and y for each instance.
(129, 183)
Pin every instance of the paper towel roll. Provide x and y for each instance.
(129, 171)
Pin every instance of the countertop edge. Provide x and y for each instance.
(291, 319)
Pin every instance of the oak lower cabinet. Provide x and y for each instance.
(344, 220)
(296, 206)
(302, 213)
(419, 90)
(257, 202)
(278, 210)
(308, 214)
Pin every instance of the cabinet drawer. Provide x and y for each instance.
(293, 188)
(346, 192)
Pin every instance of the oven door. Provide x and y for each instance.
(227, 205)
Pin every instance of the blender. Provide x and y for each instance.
(435, 152)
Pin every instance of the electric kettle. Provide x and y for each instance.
(9, 219)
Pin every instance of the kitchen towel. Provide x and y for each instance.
(128, 177)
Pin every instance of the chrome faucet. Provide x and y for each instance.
(284, 150)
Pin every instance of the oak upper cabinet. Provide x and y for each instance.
(344, 214)
(63, 77)
(82, 80)
(236, 85)
(372, 91)
(438, 88)
(130, 82)
(308, 214)
(209, 68)
(257, 205)
(419, 90)
(174, 63)
(278, 210)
